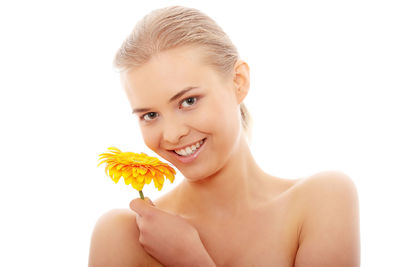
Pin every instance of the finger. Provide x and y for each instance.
(148, 200)
(139, 221)
(139, 206)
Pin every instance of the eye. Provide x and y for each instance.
(149, 116)
(190, 101)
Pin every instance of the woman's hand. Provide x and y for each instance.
(168, 237)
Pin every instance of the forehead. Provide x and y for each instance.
(167, 73)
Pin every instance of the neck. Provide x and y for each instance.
(230, 191)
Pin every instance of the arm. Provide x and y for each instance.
(330, 234)
(115, 242)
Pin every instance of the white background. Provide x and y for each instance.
(325, 81)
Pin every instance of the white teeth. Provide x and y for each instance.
(189, 150)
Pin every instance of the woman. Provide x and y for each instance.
(185, 82)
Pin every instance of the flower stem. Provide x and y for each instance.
(141, 194)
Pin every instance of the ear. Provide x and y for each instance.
(241, 74)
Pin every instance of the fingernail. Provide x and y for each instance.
(148, 200)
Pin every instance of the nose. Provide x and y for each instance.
(174, 130)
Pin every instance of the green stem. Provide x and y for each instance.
(141, 194)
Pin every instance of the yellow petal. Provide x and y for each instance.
(128, 180)
(126, 172)
(135, 184)
(142, 170)
(152, 171)
(159, 187)
(160, 169)
(155, 182)
(166, 169)
(114, 149)
(147, 179)
(134, 172)
(141, 184)
(106, 155)
(119, 166)
(112, 170)
(101, 162)
(170, 177)
(140, 178)
(116, 177)
(140, 187)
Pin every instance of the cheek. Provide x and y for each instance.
(229, 127)
(222, 121)
(150, 137)
(224, 117)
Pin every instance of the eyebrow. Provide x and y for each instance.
(176, 96)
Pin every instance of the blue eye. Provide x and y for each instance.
(190, 101)
(149, 116)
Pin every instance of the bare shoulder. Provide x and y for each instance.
(115, 241)
(328, 184)
(329, 234)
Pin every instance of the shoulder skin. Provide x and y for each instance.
(330, 231)
(115, 242)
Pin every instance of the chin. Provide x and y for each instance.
(202, 174)
(196, 179)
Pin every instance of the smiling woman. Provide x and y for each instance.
(170, 124)
(186, 83)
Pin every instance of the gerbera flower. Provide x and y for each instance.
(137, 169)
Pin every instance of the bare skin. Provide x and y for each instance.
(306, 224)
(264, 233)
(227, 211)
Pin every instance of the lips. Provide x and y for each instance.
(188, 150)
(187, 154)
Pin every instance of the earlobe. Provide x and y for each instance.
(241, 94)
(241, 80)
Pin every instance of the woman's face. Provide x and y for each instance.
(187, 114)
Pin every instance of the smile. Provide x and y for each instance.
(189, 150)
(189, 153)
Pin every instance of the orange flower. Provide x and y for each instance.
(137, 169)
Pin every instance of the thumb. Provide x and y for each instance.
(148, 201)
(139, 206)
(142, 207)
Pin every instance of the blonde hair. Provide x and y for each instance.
(176, 26)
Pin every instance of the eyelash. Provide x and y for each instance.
(143, 117)
(196, 98)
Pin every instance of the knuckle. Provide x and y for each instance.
(144, 229)
(141, 239)
(150, 216)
